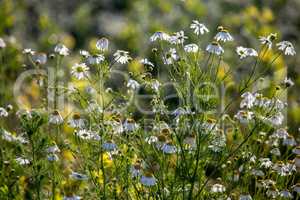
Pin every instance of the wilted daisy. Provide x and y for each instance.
(61, 50)
(95, 59)
(296, 188)
(102, 44)
(268, 41)
(122, 57)
(2, 44)
(287, 47)
(136, 170)
(87, 135)
(218, 188)
(22, 161)
(148, 179)
(133, 84)
(198, 28)
(178, 38)
(289, 141)
(275, 152)
(3, 112)
(215, 48)
(272, 192)
(109, 145)
(245, 52)
(145, 61)
(130, 125)
(159, 35)
(55, 118)
(76, 121)
(7, 136)
(170, 57)
(265, 163)
(223, 35)
(80, 71)
(191, 48)
(78, 176)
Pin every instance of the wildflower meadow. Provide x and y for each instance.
(179, 122)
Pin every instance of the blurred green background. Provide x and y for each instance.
(40, 24)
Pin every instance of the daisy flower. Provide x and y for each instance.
(148, 179)
(61, 50)
(76, 121)
(287, 47)
(296, 150)
(133, 84)
(80, 71)
(218, 188)
(55, 118)
(199, 28)
(102, 44)
(285, 194)
(52, 157)
(3, 112)
(170, 57)
(145, 61)
(136, 170)
(296, 188)
(87, 135)
(245, 52)
(22, 161)
(289, 141)
(53, 149)
(122, 57)
(268, 40)
(28, 51)
(178, 38)
(159, 35)
(288, 82)
(169, 148)
(248, 100)
(95, 59)
(215, 48)
(72, 197)
(223, 35)
(191, 48)
(84, 53)
(244, 116)
(245, 197)
(130, 125)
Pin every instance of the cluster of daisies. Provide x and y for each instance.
(182, 135)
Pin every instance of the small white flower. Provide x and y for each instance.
(2, 44)
(3, 112)
(244, 116)
(72, 197)
(296, 150)
(178, 38)
(191, 48)
(265, 162)
(223, 35)
(55, 118)
(133, 84)
(245, 52)
(53, 149)
(276, 119)
(170, 57)
(122, 57)
(76, 121)
(151, 139)
(198, 28)
(268, 41)
(95, 59)
(159, 35)
(257, 172)
(135, 170)
(61, 50)
(280, 133)
(288, 82)
(275, 152)
(296, 188)
(218, 188)
(215, 48)
(289, 141)
(148, 180)
(102, 44)
(28, 51)
(273, 193)
(84, 53)
(87, 135)
(130, 125)
(78, 176)
(287, 47)
(80, 71)
(248, 100)
(145, 61)
(22, 161)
